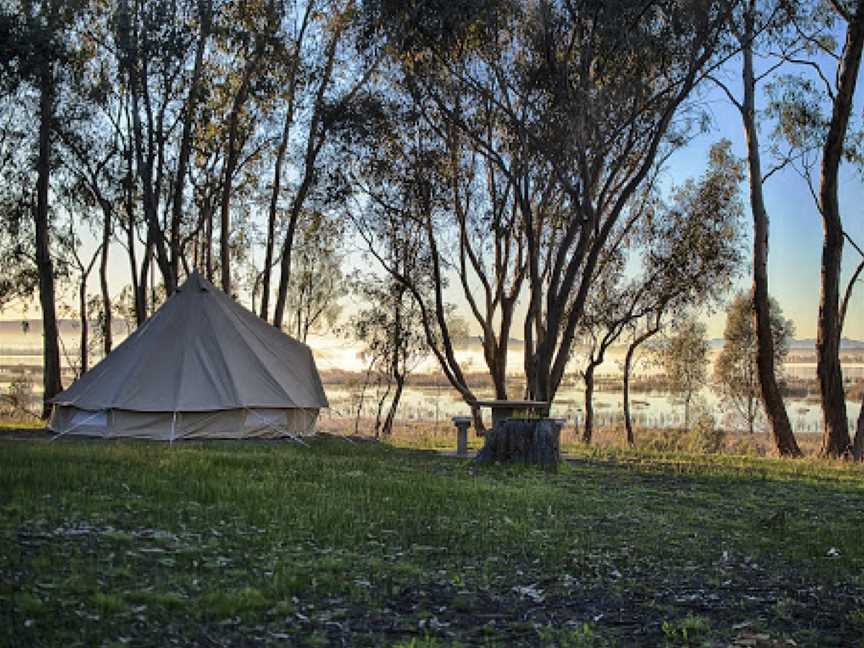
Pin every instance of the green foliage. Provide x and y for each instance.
(856, 618)
(684, 358)
(317, 284)
(17, 403)
(705, 437)
(389, 326)
(735, 371)
(689, 631)
(693, 246)
(30, 604)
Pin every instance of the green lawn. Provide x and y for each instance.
(142, 544)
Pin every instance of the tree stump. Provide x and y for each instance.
(525, 441)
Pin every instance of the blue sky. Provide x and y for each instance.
(795, 238)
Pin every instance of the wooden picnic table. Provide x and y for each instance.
(504, 409)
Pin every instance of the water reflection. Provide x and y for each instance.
(654, 410)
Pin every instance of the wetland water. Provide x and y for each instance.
(649, 409)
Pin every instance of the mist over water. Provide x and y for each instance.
(19, 350)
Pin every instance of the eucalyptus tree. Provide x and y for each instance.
(90, 155)
(317, 283)
(83, 266)
(609, 309)
(835, 439)
(162, 60)
(335, 77)
(758, 26)
(684, 357)
(793, 39)
(189, 116)
(45, 51)
(690, 252)
(389, 329)
(294, 68)
(249, 41)
(736, 367)
(413, 182)
(588, 93)
(681, 256)
(812, 110)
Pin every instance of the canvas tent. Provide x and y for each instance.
(201, 367)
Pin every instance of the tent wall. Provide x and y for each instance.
(250, 423)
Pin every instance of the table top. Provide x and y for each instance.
(512, 404)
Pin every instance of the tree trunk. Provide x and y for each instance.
(835, 435)
(129, 227)
(232, 156)
(277, 171)
(152, 285)
(380, 409)
(287, 247)
(314, 142)
(85, 325)
(775, 409)
(107, 339)
(687, 398)
(138, 297)
(628, 422)
(360, 401)
(387, 429)
(628, 365)
(751, 418)
(527, 441)
(189, 108)
(141, 293)
(224, 241)
(208, 251)
(271, 216)
(45, 266)
(588, 429)
(150, 194)
(858, 446)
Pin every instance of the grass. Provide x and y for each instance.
(441, 435)
(258, 543)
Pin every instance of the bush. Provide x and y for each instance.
(745, 446)
(18, 399)
(662, 440)
(705, 436)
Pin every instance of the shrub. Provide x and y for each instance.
(662, 440)
(705, 436)
(745, 446)
(18, 399)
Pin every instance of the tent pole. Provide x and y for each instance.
(75, 427)
(284, 431)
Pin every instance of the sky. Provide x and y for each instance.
(795, 234)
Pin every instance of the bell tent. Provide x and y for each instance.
(202, 367)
